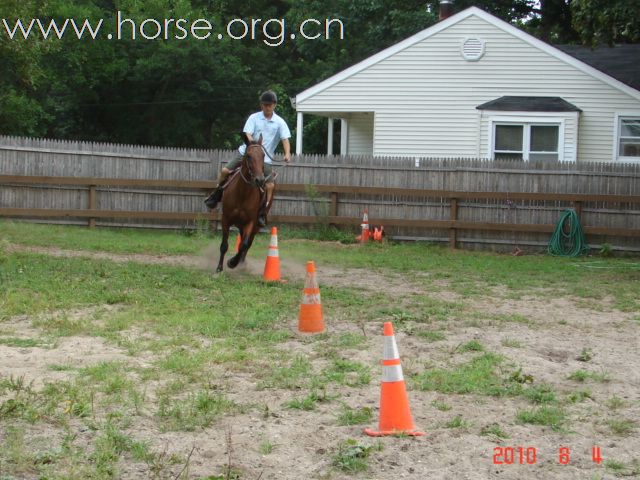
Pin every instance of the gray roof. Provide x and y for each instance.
(621, 62)
(529, 104)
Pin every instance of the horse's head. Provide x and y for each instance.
(254, 160)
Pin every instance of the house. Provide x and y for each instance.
(474, 86)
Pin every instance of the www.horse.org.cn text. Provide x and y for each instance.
(272, 32)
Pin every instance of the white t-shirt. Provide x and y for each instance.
(273, 130)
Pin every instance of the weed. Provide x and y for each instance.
(479, 375)
(294, 376)
(352, 456)
(621, 426)
(442, 406)
(197, 411)
(309, 402)
(351, 416)
(347, 372)
(511, 342)
(615, 466)
(631, 470)
(493, 430)
(519, 377)
(472, 346)
(584, 375)
(540, 394)
(579, 396)
(585, 355)
(553, 417)
(457, 422)
(20, 342)
(606, 250)
(615, 403)
(266, 447)
(431, 335)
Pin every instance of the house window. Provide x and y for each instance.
(629, 137)
(527, 141)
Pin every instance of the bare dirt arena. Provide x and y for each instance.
(545, 343)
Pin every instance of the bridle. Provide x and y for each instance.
(245, 160)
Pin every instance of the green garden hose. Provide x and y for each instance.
(570, 244)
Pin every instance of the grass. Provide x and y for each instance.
(550, 416)
(354, 416)
(457, 422)
(463, 270)
(511, 343)
(309, 402)
(440, 405)
(579, 396)
(621, 469)
(481, 375)
(494, 430)
(584, 375)
(352, 457)
(621, 426)
(431, 335)
(472, 346)
(198, 410)
(185, 335)
(540, 394)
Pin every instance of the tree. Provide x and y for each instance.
(606, 21)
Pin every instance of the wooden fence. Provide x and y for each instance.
(475, 203)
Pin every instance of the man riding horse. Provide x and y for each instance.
(273, 129)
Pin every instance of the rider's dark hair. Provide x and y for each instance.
(269, 97)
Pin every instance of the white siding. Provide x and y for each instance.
(426, 95)
(360, 134)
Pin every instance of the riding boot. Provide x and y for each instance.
(262, 215)
(212, 200)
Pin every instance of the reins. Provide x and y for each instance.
(274, 173)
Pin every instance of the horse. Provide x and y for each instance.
(241, 202)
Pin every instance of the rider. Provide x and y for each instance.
(273, 129)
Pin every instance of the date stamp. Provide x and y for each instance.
(519, 455)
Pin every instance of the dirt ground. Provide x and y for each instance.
(545, 346)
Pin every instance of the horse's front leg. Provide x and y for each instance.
(224, 246)
(245, 244)
(249, 236)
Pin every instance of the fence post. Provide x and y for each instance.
(333, 211)
(454, 217)
(93, 204)
(577, 206)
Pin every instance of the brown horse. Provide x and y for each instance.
(241, 201)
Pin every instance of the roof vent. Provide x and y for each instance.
(472, 49)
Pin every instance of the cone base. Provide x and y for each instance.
(271, 270)
(310, 319)
(411, 433)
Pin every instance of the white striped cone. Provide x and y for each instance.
(395, 414)
(272, 265)
(310, 319)
(364, 235)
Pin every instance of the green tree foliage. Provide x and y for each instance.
(606, 21)
(198, 93)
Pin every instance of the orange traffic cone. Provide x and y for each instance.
(364, 236)
(395, 415)
(272, 265)
(238, 242)
(310, 318)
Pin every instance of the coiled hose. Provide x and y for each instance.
(570, 244)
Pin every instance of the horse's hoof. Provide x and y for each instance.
(232, 263)
(219, 269)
